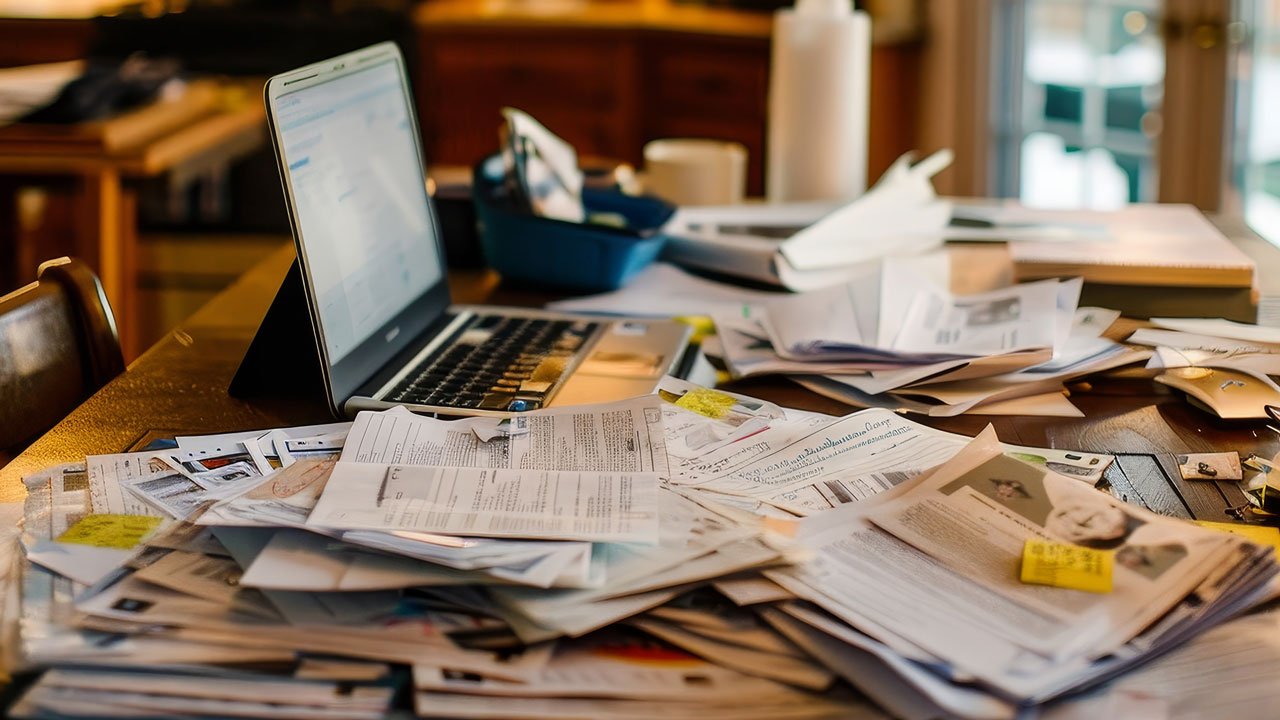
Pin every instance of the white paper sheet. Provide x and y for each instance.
(900, 214)
(284, 499)
(625, 436)
(905, 688)
(1013, 318)
(85, 564)
(224, 441)
(614, 664)
(665, 290)
(846, 460)
(57, 497)
(109, 474)
(785, 668)
(298, 560)
(690, 536)
(1217, 327)
(488, 502)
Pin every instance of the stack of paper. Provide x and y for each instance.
(466, 545)
(690, 554)
(895, 339)
(926, 576)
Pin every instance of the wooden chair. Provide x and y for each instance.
(58, 345)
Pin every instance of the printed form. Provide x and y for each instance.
(585, 473)
(488, 502)
(623, 436)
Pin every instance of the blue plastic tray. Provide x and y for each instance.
(556, 253)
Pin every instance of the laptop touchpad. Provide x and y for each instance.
(614, 363)
(632, 348)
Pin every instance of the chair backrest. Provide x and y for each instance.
(58, 345)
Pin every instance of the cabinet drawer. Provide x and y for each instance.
(521, 70)
(712, 79)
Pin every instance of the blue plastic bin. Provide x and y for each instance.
(580, 256)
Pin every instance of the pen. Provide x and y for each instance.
(433, 539)
(382, 489)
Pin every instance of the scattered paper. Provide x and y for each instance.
(691, 554)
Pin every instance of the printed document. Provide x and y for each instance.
(810, 466)
(490, 502)
(109, 476)
(624, 436)
(1012, 318)
(844, 461)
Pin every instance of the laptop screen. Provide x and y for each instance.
(360, 201)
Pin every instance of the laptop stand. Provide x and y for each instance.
(282, 360)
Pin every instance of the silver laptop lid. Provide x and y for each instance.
(348, 149)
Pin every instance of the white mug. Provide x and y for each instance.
(696, 172)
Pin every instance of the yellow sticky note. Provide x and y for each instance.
(1259, 534)
(711, 403)
(114, 531)
(701, 324)
(1067, 566)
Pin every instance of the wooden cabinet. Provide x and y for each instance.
(609, 79)
(578, 84)
(606, 91)
(707, 87)
(710, 77)
(28, 41)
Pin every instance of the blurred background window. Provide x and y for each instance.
(1257, 118)
(1098, 103)
(1077, 100)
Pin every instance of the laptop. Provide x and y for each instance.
(372, 267)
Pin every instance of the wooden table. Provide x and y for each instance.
(179, 386)
(105, 206)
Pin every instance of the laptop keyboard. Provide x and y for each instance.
(496, 363)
